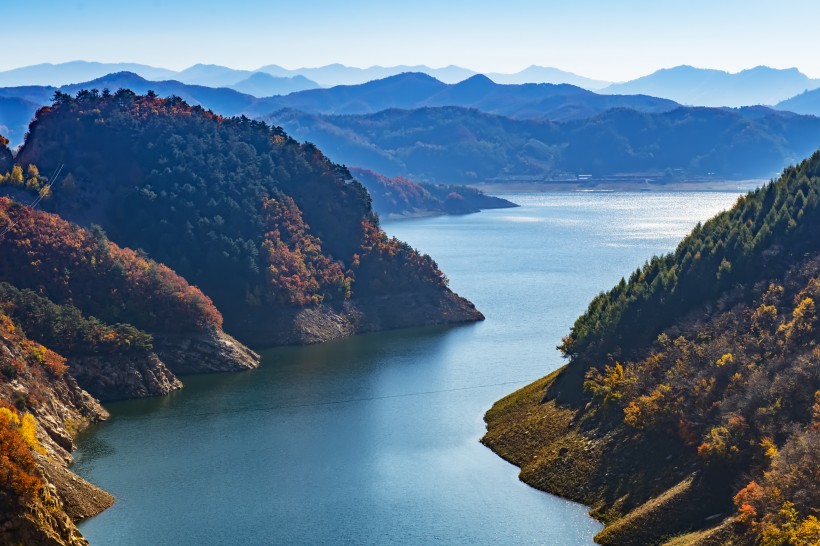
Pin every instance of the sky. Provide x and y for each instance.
(613, 40)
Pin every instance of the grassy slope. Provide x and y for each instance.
(557, 455)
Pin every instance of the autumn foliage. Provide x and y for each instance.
(297, 269)
(72, 265)
(260, 222)
(731, 384)
(19, 477)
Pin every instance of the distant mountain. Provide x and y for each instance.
(458, 145)
(807, 103)
(703, 87)
(399, 196)
(211, 75)
(15, 115)
(542, 74)
(408, 91)
(18, 104)
(416, 90)
(75, 71)
(339, 74)
(260, 84)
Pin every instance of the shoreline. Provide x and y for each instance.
(607, 186)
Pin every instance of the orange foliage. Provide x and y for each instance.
(296, 267)
(18, 471)
(69, 264)
(48, 359)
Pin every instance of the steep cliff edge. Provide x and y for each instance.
(689, 411)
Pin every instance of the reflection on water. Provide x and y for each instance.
(374, 439)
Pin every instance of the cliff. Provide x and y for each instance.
(689, 411)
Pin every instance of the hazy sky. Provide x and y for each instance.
(607, 39)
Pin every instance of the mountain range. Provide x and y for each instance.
(807, 103)
(407, 90)
(460, 145)
(704, 87)
(685, 84)
(417, 90)
(223, 76)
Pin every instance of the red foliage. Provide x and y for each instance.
(297, 269)
(69, 264)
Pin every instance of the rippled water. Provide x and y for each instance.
(374, 440)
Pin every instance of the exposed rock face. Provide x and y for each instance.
(42, 524)
(416, 309)
(80, 499)
(207, 352)
(326, 323)
(123, 376)
(62, 408)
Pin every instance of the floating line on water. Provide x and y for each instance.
(325, 403)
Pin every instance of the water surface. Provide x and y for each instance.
(374, 440)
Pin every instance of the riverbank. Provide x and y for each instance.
(556, 453)
(606, 185)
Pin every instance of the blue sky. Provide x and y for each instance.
(607, 39)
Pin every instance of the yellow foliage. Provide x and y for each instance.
(28, 430)
(646, 410)
(807, 533)
(9, 416)
(725, 359)
(609, 384)
(16, 176)
(769, 447)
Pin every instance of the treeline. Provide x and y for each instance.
(65, 329)
(762, 235)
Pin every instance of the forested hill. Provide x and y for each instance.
(691, 401)
(266, 226)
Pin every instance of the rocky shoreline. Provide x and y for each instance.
(75, 400)
(71, 403)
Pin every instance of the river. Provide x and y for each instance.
(374, 440)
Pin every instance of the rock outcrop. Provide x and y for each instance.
(209, 351)
(123, 376)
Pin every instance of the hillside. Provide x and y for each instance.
(456, 145)
(83, 320)
(689, 405)
(705, 87)
(282, 240)
(402, 197)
